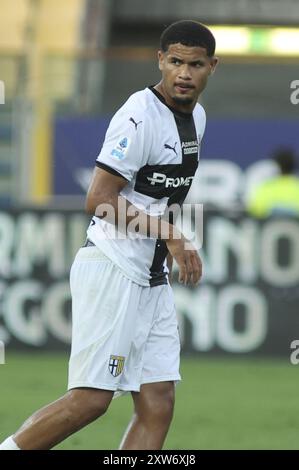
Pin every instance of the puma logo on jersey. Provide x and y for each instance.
(167, 146)
(134, 122)
(160, 178)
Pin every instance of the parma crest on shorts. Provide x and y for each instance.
(116, 365)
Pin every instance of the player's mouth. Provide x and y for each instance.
(183, 87)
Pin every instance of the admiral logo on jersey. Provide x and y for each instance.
(160, 178)
(190, 147)
(121, 149)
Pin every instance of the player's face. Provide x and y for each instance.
(185, 71)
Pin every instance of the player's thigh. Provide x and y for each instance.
(92, 400)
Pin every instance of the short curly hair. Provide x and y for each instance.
(189, 33)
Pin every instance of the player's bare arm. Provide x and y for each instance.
(105, 188)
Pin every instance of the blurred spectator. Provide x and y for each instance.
(280, 195)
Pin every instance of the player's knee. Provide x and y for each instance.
(159, 406)
(89, 403)
(163, 410)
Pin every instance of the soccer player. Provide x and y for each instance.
(125, 334)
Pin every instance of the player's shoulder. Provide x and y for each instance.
(199, 112)
(199, 116)
(139, 104)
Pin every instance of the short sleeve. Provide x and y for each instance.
(127, 144)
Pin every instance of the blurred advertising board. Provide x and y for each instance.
(247, 302)
(234, 156)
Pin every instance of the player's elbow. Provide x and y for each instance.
(89, 208)
(98, 202)
(91, 203)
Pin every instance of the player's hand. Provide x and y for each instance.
(190, 266)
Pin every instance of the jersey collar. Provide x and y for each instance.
(173, 110)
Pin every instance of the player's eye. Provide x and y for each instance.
(176, 61)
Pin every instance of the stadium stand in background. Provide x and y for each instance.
(29, 30)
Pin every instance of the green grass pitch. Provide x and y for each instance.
(220, 404)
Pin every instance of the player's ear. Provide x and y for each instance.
(160, 59)
(213, 63)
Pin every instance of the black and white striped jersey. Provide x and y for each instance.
(156, 149)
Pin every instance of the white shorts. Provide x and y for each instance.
(124, 335)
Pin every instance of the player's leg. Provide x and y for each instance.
(153, 413)
(159, 372)
(55, 422)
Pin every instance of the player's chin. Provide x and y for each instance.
(182, 99)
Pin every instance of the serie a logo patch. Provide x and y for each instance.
(116, 365)
(121, 149)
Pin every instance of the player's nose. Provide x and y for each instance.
(184, 72)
